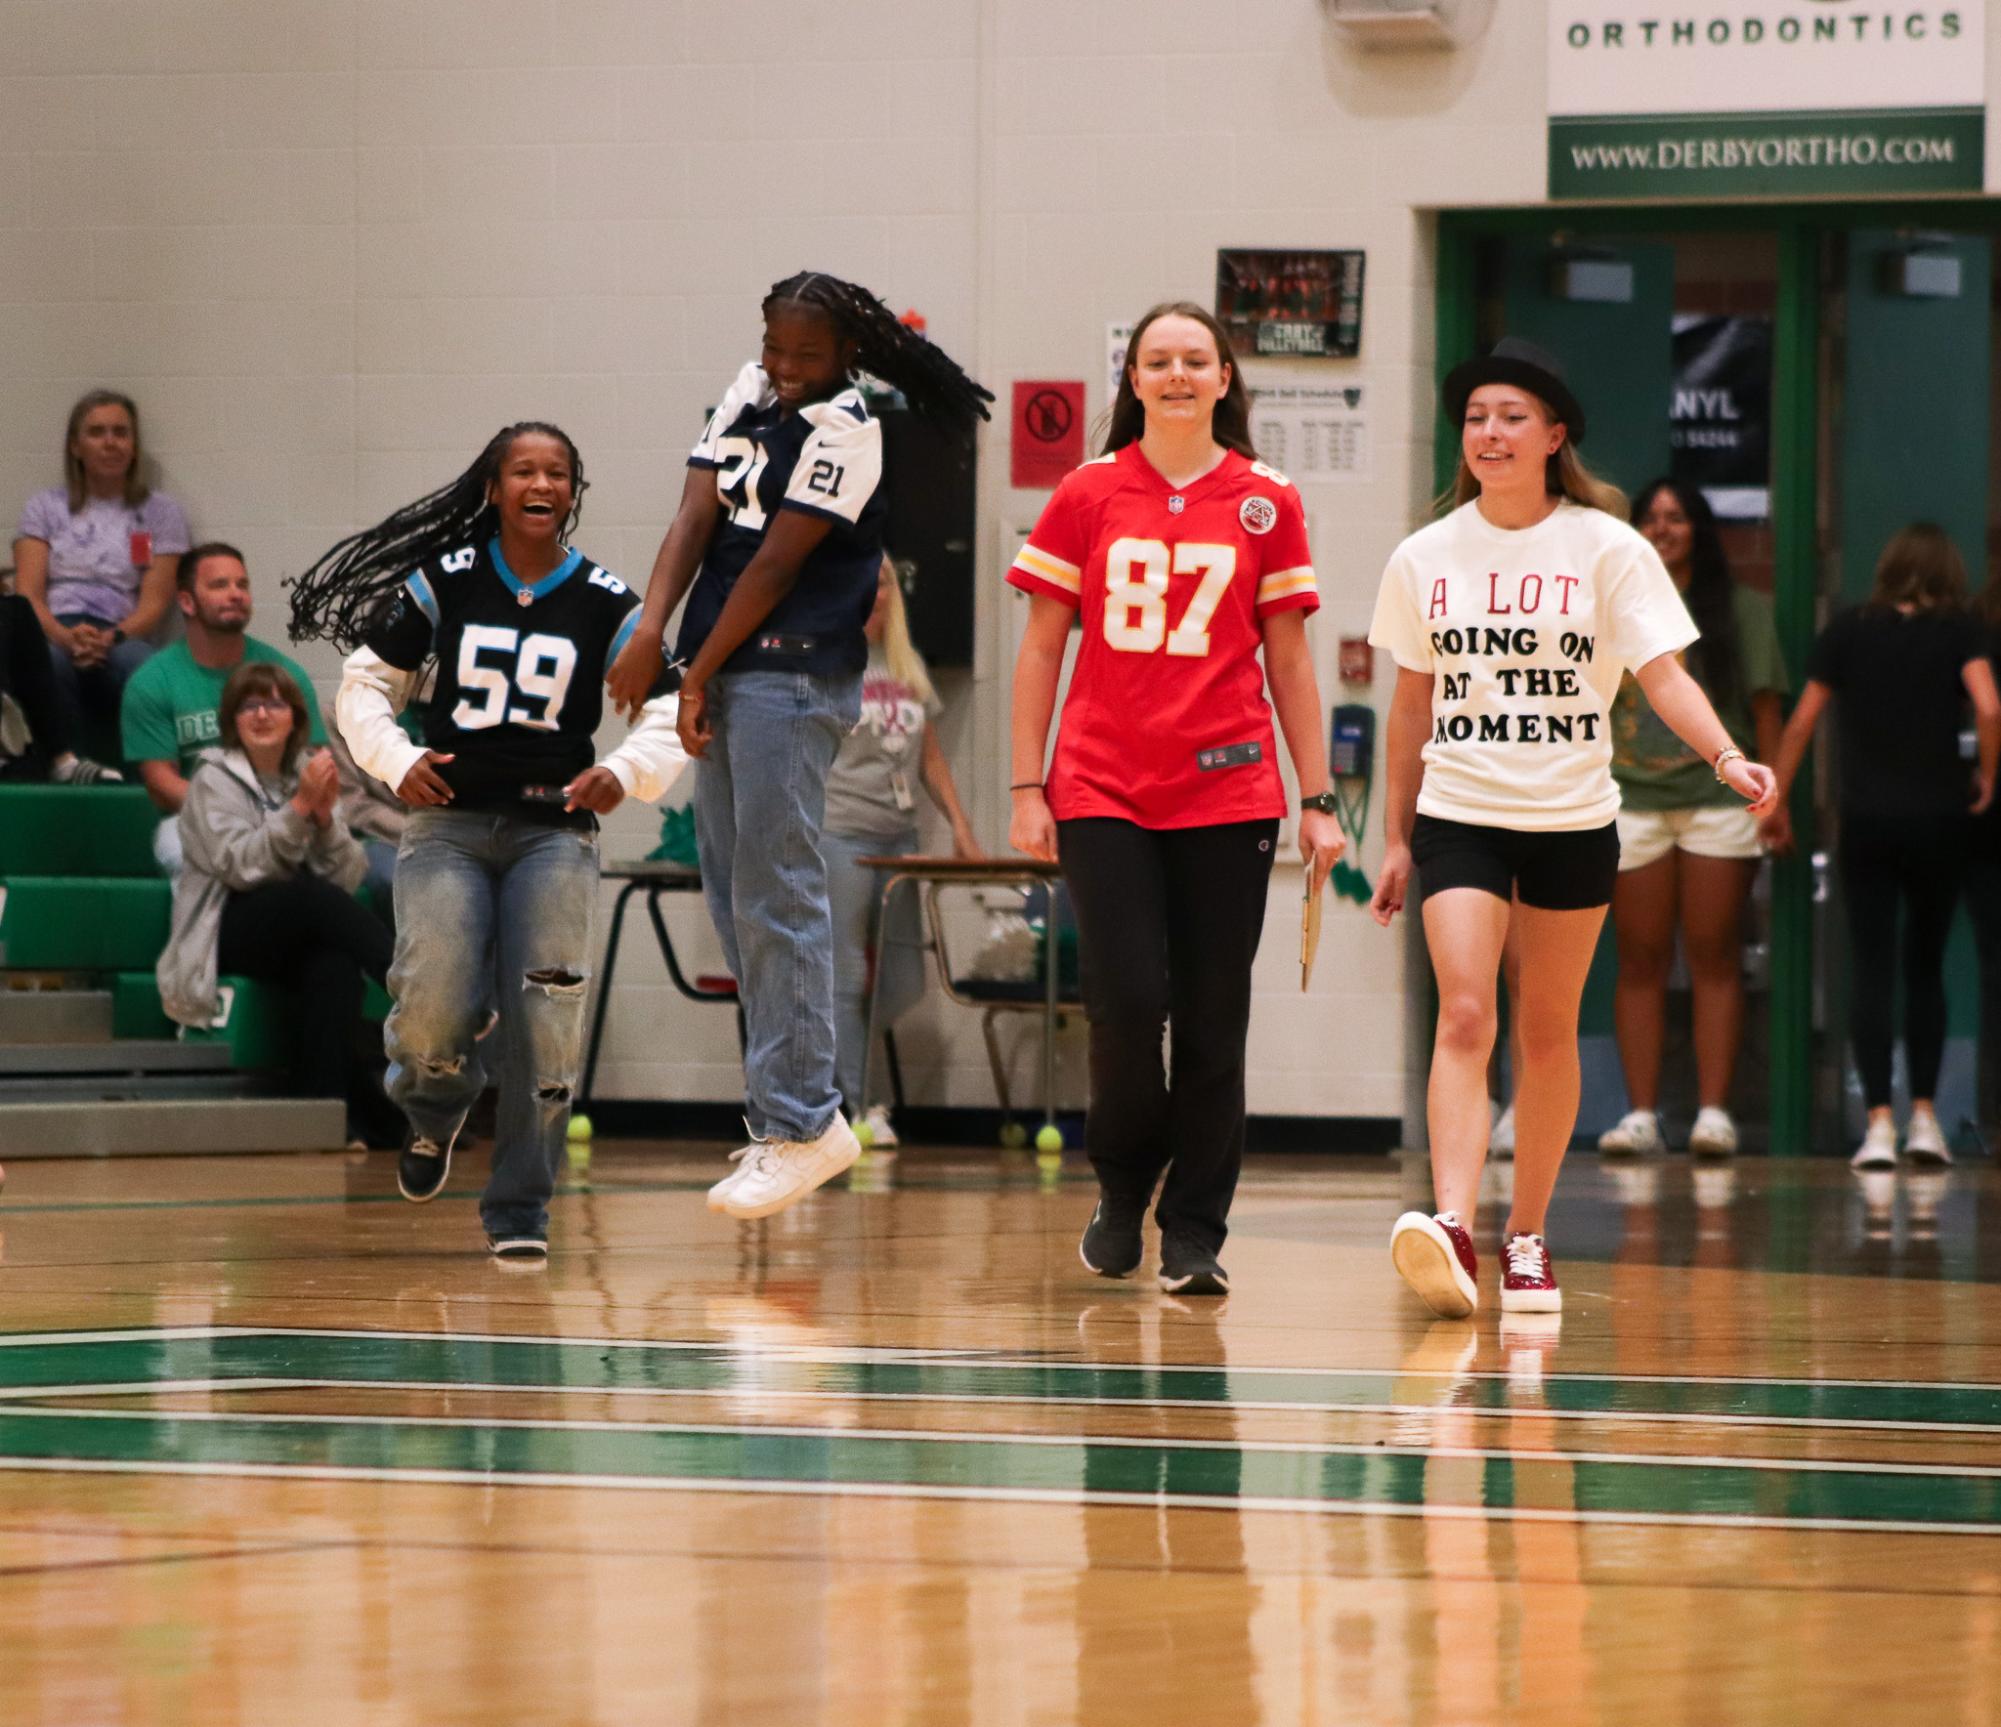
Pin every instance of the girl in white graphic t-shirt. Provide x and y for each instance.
(1512, 620)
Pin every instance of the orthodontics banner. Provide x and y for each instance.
(1765, 98)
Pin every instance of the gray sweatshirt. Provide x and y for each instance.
(236, 835)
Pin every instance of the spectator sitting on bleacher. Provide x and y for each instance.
(171, 705)
(35, 741)
(96, 557)
(267, 890)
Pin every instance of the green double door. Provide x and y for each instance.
(1879, 406)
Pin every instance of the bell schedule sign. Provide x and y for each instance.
(1765, 98)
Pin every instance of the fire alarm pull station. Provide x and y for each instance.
(1358, 660)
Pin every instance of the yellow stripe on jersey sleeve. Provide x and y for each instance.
(1034, 561)
(1285, 584)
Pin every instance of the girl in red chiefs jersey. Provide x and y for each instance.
(1182, 556)
(1512, 621)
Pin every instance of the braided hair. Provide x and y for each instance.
(885, 347)
(339, 597)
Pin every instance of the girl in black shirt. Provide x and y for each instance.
(1904, 664)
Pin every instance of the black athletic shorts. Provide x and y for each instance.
(1571, 870)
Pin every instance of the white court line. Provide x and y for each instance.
(762, 1394)
(850, 1355)
(937, 1436)
(1005, 1495)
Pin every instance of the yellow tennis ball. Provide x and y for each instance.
(580, 1129)
(1049, 1137)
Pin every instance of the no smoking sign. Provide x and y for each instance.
(1046, 432)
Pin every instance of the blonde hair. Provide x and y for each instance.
(906, 664)
(1565, 475)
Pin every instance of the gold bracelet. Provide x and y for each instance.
(1728, 753)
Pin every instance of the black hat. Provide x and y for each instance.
(1513, 361)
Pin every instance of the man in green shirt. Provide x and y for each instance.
(168, 715)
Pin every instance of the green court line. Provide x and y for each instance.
(385, 1359)
(1160, 1474)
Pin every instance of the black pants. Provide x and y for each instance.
(25, 674)
(307, 936)
(1983, 900)
(1913, 866)
(1168, 921)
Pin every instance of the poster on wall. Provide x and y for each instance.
(1045, 432)
(1118, 338)
(1312, 431)
(1306, 305)
(1721, 418)
(1765, 98)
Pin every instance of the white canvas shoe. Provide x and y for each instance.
(781, 1172)
(1714, 1133)
(1878, 1149)
(1924, 1139)
(1638, 1134)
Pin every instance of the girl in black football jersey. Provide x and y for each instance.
(496, 880)
(779, 534)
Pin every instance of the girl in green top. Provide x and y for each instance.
(1688, 848)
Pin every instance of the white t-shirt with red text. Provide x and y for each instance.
(1166, 723)
(1527, 632)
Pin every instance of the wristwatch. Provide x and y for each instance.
(1325, 802)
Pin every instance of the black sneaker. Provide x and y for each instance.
(518, 1249)
(421, 1166)
(1111, 1244)
(1189, 1268)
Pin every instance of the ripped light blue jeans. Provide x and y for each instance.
(493, 912)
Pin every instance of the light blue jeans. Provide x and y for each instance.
(493, 912)
(760, 797)
(855, 894)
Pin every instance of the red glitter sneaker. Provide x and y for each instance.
(1434, 1255)
(1528, 1280)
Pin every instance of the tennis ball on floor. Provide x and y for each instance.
(1049, 1137)
(1014, 1136)
(864, 1134)
(580, 1129)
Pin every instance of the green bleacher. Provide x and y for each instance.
(80, 893)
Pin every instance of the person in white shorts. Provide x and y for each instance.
(1688, 848)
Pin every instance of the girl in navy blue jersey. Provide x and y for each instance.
(496, 882)
(779, 534)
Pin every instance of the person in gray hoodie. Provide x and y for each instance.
(268, 890)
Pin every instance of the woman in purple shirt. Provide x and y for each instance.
(96, 556)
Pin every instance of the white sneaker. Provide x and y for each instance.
(781, 1172)
(876, 1131)
(1501, 1141)
(737, 1161)
(1714, 1133)
(1878, 1149)
(1638, 1133)
(1924, 1139)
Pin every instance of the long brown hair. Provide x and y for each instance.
(262, 678)
(1232, 425)
(1920, 568)
(1564, 475)
(136, 489)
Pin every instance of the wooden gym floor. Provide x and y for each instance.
(276, 1447)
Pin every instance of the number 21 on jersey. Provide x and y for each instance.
(1136, 581)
